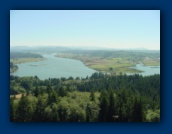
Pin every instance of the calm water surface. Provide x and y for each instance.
(148, 70)
(54, 67)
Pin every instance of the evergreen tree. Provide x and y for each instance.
(12, 110)
(39, 111)
(92, 111)
(52, 97)
(62, 92)
(55, 116)
(49, 89)
(48, 116)
(103, 106)
(113, 105)
(24, 111)
(92, 96)
(111, 109)
(63, 110)
(36, 92)
(137, 113)
(76, 113)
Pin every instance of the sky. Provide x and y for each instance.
(121, 29)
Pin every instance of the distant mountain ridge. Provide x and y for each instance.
(52, 49)
(38, 49)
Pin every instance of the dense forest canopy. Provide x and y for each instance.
(97, 98)
(102, 97)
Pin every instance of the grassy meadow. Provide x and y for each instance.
(111, 64)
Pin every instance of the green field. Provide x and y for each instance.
(114, 65)
(110, 64)
(147, 62)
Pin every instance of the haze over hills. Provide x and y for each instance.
(63, 48)
(85, 66)
(38, 49)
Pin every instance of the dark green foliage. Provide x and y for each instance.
(77, 78)
(63, 79)
(14, 55)
(62, 92)
(55, 116)
(39, 111)
(70, 78)
(112, 109)
(12, 110)
(92, 112)
(52, 97)
(137, 110)
(76, 114)
(26, 83)
(122, 98)
(92, 96)
(63, 110)
(116, 54)
(24, 111)
(97, 75)
(49, 89)
(36, 92)
(110, 68)
(104, 104)
(48, 117)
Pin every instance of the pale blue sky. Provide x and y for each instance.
(97, 28)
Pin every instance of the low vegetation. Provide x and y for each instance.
(150, 62)
(113, 62)
(18, 57)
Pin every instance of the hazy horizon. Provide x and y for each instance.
(116, 29)
(87, 47)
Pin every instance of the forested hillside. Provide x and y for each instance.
(15, 55)
(117, 53)
(99, 98)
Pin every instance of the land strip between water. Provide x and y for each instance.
(112, 65)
